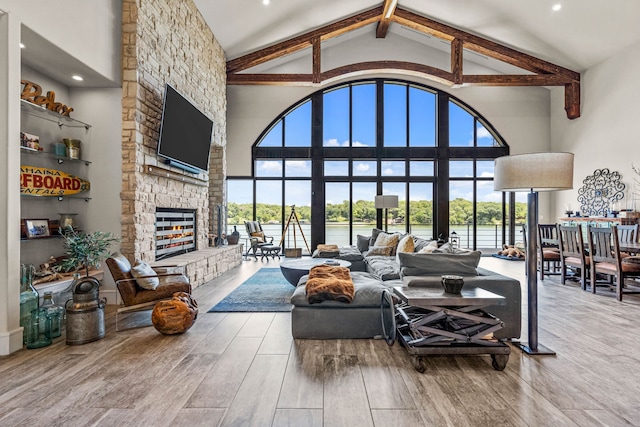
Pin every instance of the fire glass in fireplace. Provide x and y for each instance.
(175, 232)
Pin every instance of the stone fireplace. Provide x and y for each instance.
(175, 232)
(151, 58)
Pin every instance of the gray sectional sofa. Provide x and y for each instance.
(362, 317)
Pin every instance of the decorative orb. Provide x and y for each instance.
(176, 315)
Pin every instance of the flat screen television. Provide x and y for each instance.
(185, 133)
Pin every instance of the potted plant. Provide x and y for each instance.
(85, 250)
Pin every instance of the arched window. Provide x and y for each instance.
(378, 136)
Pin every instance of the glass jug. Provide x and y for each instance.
(55, 312)
(28, 296)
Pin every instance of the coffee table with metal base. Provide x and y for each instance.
(428, 321)
(293, 269)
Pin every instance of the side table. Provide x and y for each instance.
(428, 321)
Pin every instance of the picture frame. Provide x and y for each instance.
(37, 228)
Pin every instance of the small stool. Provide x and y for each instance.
(270, 251)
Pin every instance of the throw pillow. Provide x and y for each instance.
(374, 236)
(379, 250)
(445, 249)
(432, 246)
(143, 269)
(386, 239)
(259, 235)
(363, 243)
(404, 245)
(418, 264)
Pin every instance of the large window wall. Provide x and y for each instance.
(333, 152)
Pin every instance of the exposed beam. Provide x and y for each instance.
(385, 20)
(545, 73)
(316, 58)
(304, 41)
(515, 80)
(479, 44)
(456, 60)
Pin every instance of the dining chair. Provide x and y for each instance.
(604, 249)
(548, 250)
(572, 253)
(627, 234)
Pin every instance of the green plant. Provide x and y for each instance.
(85, 250)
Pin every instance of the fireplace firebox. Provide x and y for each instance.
(175, 232)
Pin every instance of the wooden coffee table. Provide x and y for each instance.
(293, 269)
(429, 321)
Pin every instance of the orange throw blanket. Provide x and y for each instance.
(327, 282)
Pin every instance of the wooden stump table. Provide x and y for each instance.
(176, 315)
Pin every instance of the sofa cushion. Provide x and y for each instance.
(379, 251)
(405, 245)
(430, 247)
(388, 239)
(383, 267)
(417, 264)
(374, 236)
(363, 243)
(368, 292)
(350, 253)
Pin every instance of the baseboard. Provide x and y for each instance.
(10, 342)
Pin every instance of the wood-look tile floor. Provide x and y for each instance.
(244, 369)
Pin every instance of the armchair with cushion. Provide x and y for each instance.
(257, 237)
(140, 287)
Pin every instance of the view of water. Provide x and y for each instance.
(489, 236)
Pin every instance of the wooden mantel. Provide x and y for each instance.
(541, 72)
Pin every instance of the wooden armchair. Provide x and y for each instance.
(257, 237)
(572, 253)
(135, 298)
(604, 249)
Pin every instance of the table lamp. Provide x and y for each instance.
(533, 172)
(386, 203)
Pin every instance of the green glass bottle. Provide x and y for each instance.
(28, 297)
(39, 329)
(55, 312)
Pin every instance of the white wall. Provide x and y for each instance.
(606, 134)
(87, 30)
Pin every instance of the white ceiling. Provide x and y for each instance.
(580, 35)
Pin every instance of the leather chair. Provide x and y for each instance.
(135, 298)
(572, 253)
(604, 249)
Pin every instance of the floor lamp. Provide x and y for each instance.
(386, 203)
(533, 172)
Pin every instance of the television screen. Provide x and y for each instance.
(185, 133)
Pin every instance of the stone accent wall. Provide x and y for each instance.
(167, 41)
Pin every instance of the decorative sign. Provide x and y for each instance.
(33, 93)
(599, 191)
(36, 181)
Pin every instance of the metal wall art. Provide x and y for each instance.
(599, 191)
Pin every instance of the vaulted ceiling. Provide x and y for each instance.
(578, 36)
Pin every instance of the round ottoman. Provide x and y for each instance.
(176, 315)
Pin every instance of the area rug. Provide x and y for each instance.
(265, 291)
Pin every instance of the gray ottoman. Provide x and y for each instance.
(337, 320)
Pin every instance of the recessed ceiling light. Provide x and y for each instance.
(77, 77)
(22, 46)
(556, 7)
(265, 2)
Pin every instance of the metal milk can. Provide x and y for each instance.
(85, 313)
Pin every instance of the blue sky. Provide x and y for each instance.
(421, 132)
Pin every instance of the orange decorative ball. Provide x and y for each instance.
(176, 315)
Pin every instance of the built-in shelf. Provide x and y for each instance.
(49, 155)
(52, 116)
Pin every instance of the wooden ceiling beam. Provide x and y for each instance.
(389, 9)
(515, 80)
(456, 61)
(304, 41)
(479, 44)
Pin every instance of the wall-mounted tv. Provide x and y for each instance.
(185, 133)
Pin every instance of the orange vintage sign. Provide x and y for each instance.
(36, 181)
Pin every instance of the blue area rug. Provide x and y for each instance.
(267, 290)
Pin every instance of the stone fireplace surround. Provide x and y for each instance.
(155, 37)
